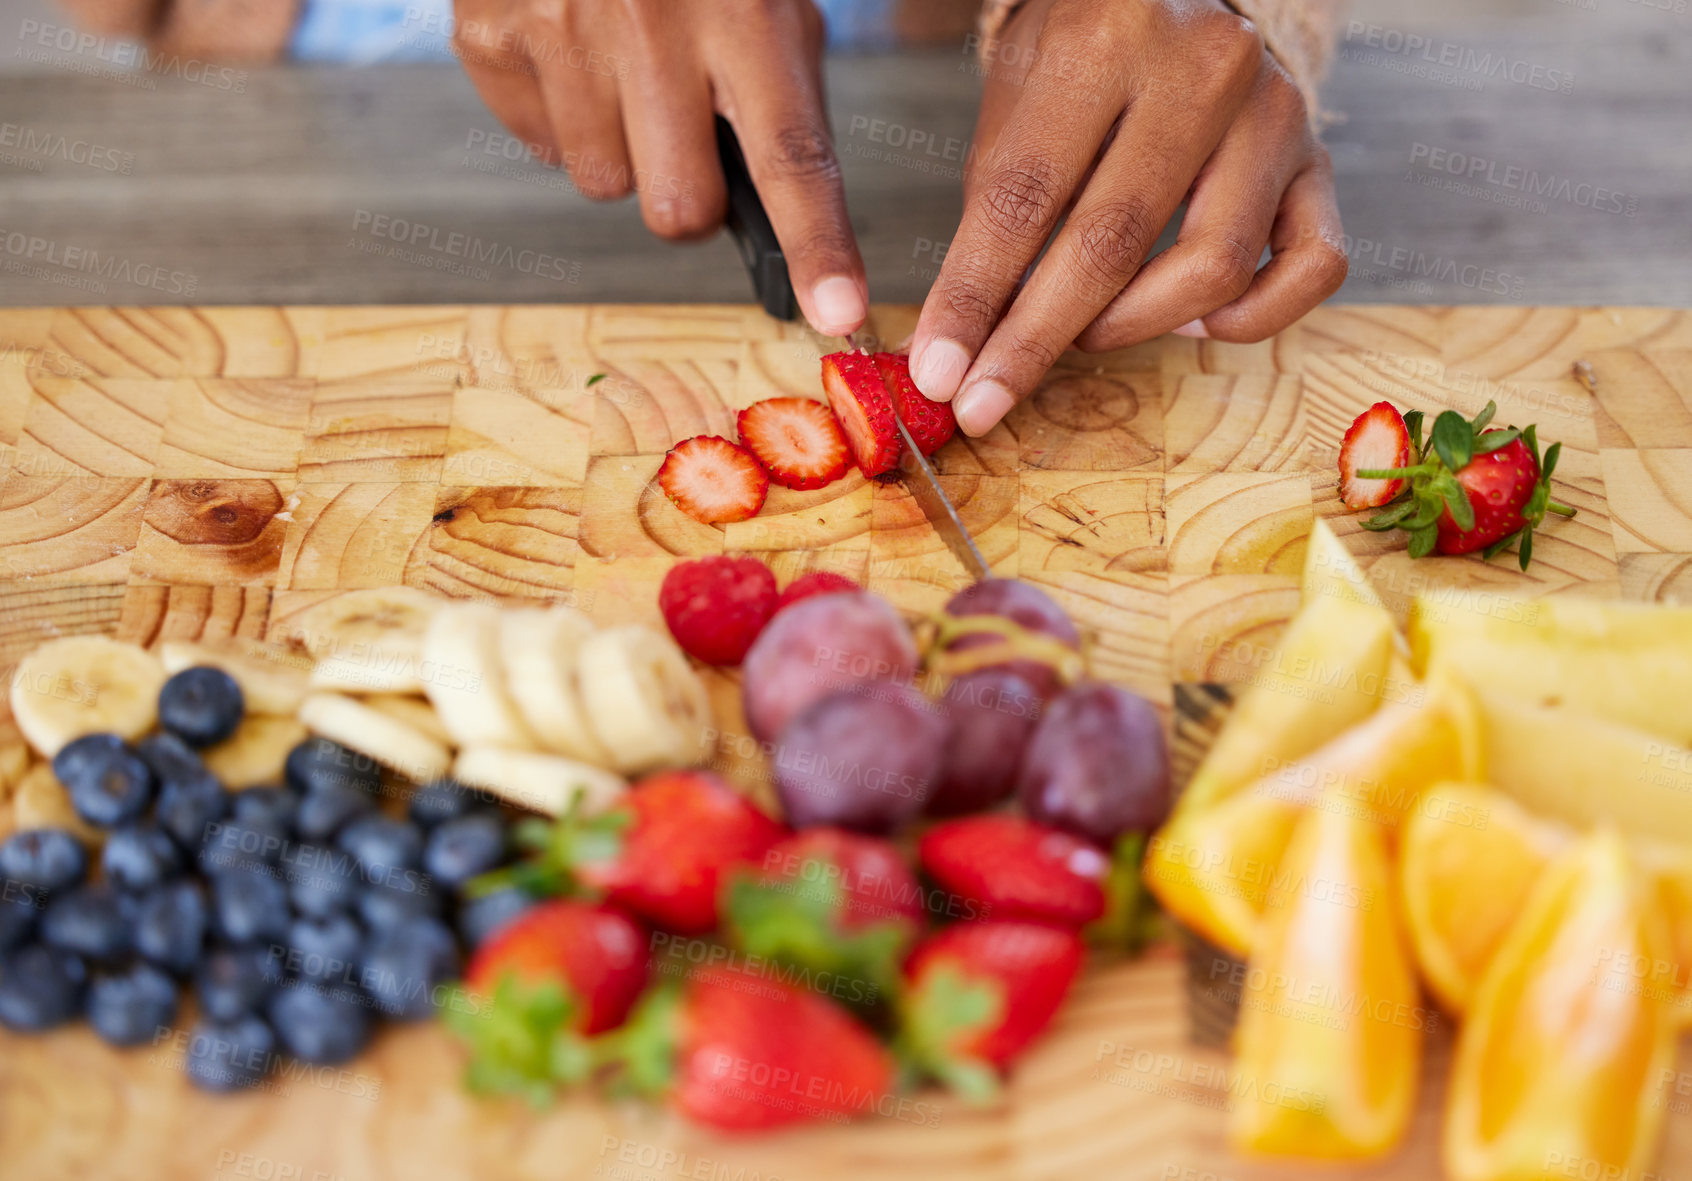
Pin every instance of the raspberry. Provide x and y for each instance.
(715, 607)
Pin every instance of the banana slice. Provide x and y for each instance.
(254, 755)
(465, 678)
(82, 685)
(368, 641)
(539, 647)
(543, 783)
(646, 704)
(415, 712)
(273, 680)
(386, 739)
(41, 801)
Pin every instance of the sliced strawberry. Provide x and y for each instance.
(817, 582)
(713, 480)
(930, 423)
(861, 402)
(1011, 868)
(1378, 439)
(796, 439)
(715, 607)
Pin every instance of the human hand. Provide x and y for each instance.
(1125, 109)
(622, 93)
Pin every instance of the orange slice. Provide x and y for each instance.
(1567, 1035)
(1670, 870)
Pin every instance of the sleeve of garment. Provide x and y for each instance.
(216, 30)
(1300, 33)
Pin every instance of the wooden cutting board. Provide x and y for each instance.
(206, 471)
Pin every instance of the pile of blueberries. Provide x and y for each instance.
(299, 914)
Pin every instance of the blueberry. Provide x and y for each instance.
(479, 918)
(43, 860)
(108, 785)
(321, 881)
(236, 845)
(272, 805)
(40, 987)
(389, 902)
(440, 801)
(189, 807)
(405, 966)
(96, 920)
(234, 981)
(381, 845)
(324, 812)
(319, 1026)
(129, 1007)
(249, 906)
(325, 949)
(318, 763)
(18, 912)
(138, 857)
(170, 925)
(201, 706)
(461, 849)
(230, 1055)
(172, 760)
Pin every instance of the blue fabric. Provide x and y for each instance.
(362, 32)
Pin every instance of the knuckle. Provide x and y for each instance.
(1225, 268)
(1114, 243)
(803, 151)
(1034, 351)
(1101, 336)
(968, 303)
(1021, 200)
(681, 221)
(1324, 266)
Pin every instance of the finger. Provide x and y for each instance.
(773, 97)
(1136, 189)
(1309, 262)
(673, 146)
(587, 125)
(506, 83)
(1230, 213)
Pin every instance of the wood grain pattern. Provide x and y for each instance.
(202, 473)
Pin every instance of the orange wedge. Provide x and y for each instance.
(1566, 1036)
(1329, 1041)
(1467, 859)
(1670, 871)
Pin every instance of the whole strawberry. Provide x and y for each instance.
(1006, 867)
(1470, 488)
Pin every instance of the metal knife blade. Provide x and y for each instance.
(938, 508)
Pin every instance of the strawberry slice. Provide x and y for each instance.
(712, 480)
(930, 423)
(796, 439)
(861, 402)
(1378, 439)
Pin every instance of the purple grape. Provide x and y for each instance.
(992, 713)
(821, 646)
(864, 759)
(1027, 606)
(1096, 765)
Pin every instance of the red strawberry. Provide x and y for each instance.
(712, 480)
(537, 988)
(744, 1051)
(817, 582)
(930, 423)
(1012, 868)
(979, 993)
(865, 410)
(1378, 439)
(715, 607)
(1499, 485)
(796, 439)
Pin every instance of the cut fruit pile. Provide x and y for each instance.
(804, 444)
(1507, 822)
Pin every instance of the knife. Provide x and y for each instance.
(753, 234)
(920, 478)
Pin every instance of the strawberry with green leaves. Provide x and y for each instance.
(1464, 488)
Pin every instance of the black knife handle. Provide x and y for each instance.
(750, 225)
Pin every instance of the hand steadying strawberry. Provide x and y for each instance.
(1465, 488)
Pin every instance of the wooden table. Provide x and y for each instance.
(210, 471)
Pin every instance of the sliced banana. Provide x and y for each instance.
(254, 755)
(41, 801)
(464, 678)
(82, 685)
(543, 783)
(539, 647)
(368, 641)
(413, 711)
(273, 679)
(386, 739)
(646, 704)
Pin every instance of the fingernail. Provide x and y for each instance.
(982, 405)
(939, 369)
(839, 305)
(1193, 328)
